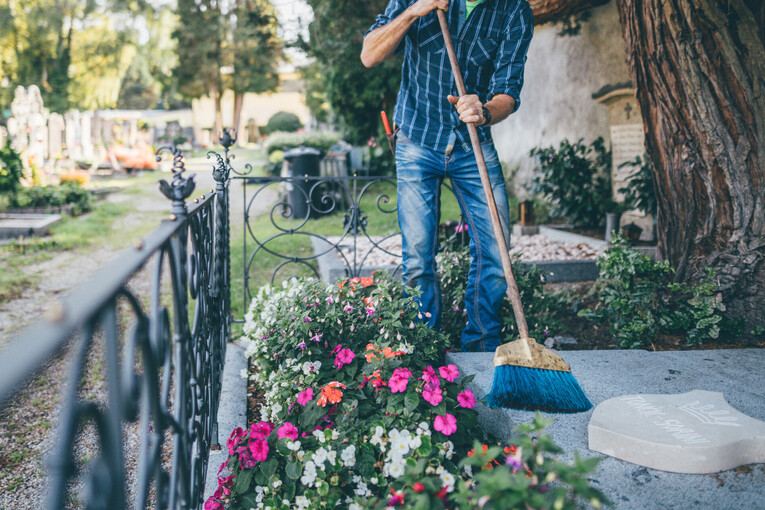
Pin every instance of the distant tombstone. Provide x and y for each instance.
(627, 143)
(86, 137)
(56, 128)
(71, 138)
(694, 432)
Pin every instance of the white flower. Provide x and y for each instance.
(354, 506)
(448, 480)
(319, 457)
(293, 445)
(300, 455)
(319, 434)
(276, 484)
(449, 449)
(302, 502)
(243, 373)
(335, 434)
(396, 467)
(349, 456)
(415, 442)
(469, 470)
(332, 456)
(309, 473)
(362, 489)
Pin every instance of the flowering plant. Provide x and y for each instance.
(358, 400)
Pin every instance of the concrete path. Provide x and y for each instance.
(738, 374)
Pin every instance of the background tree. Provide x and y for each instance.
(256, 52)
(355, 93)
(699, 71)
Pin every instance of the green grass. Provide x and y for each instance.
(379, 223)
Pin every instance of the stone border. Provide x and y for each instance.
(232, 411)
(38, 226)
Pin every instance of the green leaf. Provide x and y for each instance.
(411, 400)
(242, 482)
(294, 470)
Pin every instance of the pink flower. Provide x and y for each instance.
(466, 399)
(348, 308)
(245, 457)
(302, 346)
(449, 372)
(305, 397)
(344, 357)
(432, 394)
(287, 430)
(236, 436)
(447, 425)
(316, 338)
(430, 377)
(337, 349)
(370, 311)
(213, 504)
(402, 372)
(260, 430)
(397, 383)
(259, 449)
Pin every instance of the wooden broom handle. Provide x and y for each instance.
(512, 287)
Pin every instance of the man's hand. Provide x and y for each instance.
(424, 7)
(469, 107)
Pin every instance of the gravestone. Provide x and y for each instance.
(627, 143)
(55, 136)
(694, 432)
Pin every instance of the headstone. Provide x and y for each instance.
(694, 432)
(55, 136)
(627, 143)
(86, 137)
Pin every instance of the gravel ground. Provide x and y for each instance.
(529, 248)
(28, 425)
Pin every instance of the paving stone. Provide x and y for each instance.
(694, 432)
(737, 374)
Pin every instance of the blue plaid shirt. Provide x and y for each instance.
(491, 48)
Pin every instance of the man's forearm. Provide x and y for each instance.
(382, 42)
(500, 107)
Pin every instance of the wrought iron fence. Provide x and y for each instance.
(343, 244)
(162, 370)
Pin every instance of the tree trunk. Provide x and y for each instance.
(554, 10)
(699, 71)
(218, 124)
(240, 134)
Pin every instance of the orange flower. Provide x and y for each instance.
(366, 282)
(331, 393)
(389, 353)
(342, 283)
(355, 279)
(371, 355)
(510, 450)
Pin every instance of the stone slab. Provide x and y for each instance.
(232, 411)
(693, 432)
(525, 230)
(738, 374)
(16, 225)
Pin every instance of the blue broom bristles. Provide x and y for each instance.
(536, 388)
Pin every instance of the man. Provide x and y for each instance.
(491, 38)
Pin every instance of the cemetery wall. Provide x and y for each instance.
(562, 73)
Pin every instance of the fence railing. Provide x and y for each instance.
(161, 355)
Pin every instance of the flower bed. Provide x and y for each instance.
(361, 412)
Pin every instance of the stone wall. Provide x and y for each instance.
(562, 73)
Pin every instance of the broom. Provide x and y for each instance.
(527, 375)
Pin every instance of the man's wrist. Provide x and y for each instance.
(486, 116)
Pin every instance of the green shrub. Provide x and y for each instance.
(11, 169)
(538, 305)
(576, 178)
(283, 121)
(284, 141)
(639, 301)
(357, 410)
(53, 196)
(640, 191)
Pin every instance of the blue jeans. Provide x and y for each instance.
(420, 174)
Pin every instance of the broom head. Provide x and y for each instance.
(528, 375)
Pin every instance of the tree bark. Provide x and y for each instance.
(553, 10)
(699, 72)
(218, 124)
(238, 103)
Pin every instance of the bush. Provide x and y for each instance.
(640, 191)
(53, 196)
(577, 179)
(453, 267)
(79, 177)
(358, 413)
(283, 121)
(639, 301)
(11, 169)
(284, 141)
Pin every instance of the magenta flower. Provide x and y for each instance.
(260, 430)
(302, 346)
(432, 394)
(245, 457)
(370, 311)
(402, 372)
(316, 338)
(515, 461)
(447, 425)
(348, 308)
(287, 430)
(259, 449)
(307, 319)
(449, 372)
(344, 357)
(213, 504)
(329, 300)
(430, 377)
(305, 396)
(397, 383)
(337, 349)
(466, 399)
(236, 436)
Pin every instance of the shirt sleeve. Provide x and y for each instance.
(511, 55)
(395, 7)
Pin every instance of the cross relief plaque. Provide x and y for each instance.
(694, 432)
